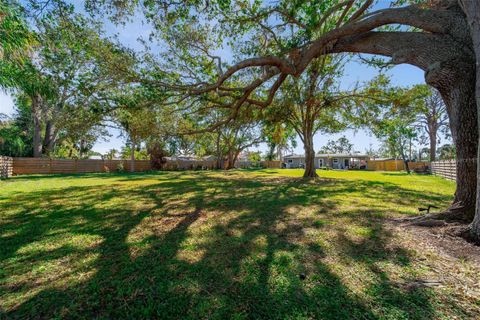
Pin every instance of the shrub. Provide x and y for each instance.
(120, 167)
(157, 156)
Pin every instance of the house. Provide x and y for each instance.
(243, 156)
(209, 158)
(329, 160)
(181, 158)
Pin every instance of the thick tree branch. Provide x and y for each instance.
(416, 48)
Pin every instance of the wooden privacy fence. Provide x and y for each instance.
(445, 168)
(271, 164)
(395, 165)
(212, 164)
(189, 165)
(50, 166)
(6, 167)
(45, 165)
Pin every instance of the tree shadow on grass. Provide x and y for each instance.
(396, 173)
(89, 175)
(208, 247)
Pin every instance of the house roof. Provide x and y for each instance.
(329, 155)
(294, 156)
(181, 158)
(382, 159)
(340, 155)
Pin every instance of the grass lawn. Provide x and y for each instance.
(216, 245)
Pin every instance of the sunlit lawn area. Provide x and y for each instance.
(215, 245)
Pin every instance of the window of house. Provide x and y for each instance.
(290, 160)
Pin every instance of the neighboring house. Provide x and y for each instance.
(243, 156)
(209, 158)
(382, 159)
(181, 158)
(332, 161)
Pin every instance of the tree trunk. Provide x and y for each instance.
(472, 11)
(466, 142)
(37, 127)
(456, 84)
(433, 145)
(232, 159)
(405, 162)
(410, 150)
(220, 160)
(132, 156)
(310, 171)
(49, 140)
(229, 161)
(81, 148)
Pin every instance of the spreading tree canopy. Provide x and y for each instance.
(273, 41)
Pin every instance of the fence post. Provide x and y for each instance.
(6, 167)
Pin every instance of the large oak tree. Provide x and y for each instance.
(441, 37)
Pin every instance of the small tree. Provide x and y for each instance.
(156, 151)
(396, 134)
(391, 118)
(138, 123)
(280, 137)
(446, 152)
(111, 154)
(254, 157)
(432, 118)
(237, 137)
(313, 103)
(341, 145)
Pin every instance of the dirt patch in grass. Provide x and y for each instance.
(452, 263)
(445, 238)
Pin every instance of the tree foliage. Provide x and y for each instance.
(16, 42)
(341, 145)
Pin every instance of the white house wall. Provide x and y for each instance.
(327, 162)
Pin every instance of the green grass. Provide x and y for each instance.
(216, 245)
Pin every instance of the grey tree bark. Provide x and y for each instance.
(458, 93)
(37, 126)
(433, 145)
(472, 12)
(132, 156)
(405, 162)
(50, 138)
(219, 151)
(310, 171)
(232, 159)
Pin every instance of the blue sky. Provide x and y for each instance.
(401, 75)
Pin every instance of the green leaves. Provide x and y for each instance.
(341, 145)
(16, 41)
(15, 37)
